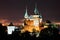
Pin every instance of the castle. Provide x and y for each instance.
(32, 22)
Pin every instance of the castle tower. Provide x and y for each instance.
(26, 16)
(36, 16)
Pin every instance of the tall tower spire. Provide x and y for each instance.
(26, 13)
(36, 10)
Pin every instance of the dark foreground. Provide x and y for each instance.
(26, 36)
(45, 34)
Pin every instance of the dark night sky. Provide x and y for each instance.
(14, 9)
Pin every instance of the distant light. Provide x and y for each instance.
(3, 24)
(45, 26)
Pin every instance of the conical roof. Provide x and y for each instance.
(36, 10)
(26, 14)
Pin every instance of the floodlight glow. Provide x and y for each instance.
(36, 22)
(10, 29)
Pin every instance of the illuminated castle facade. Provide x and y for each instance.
(32, 22)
